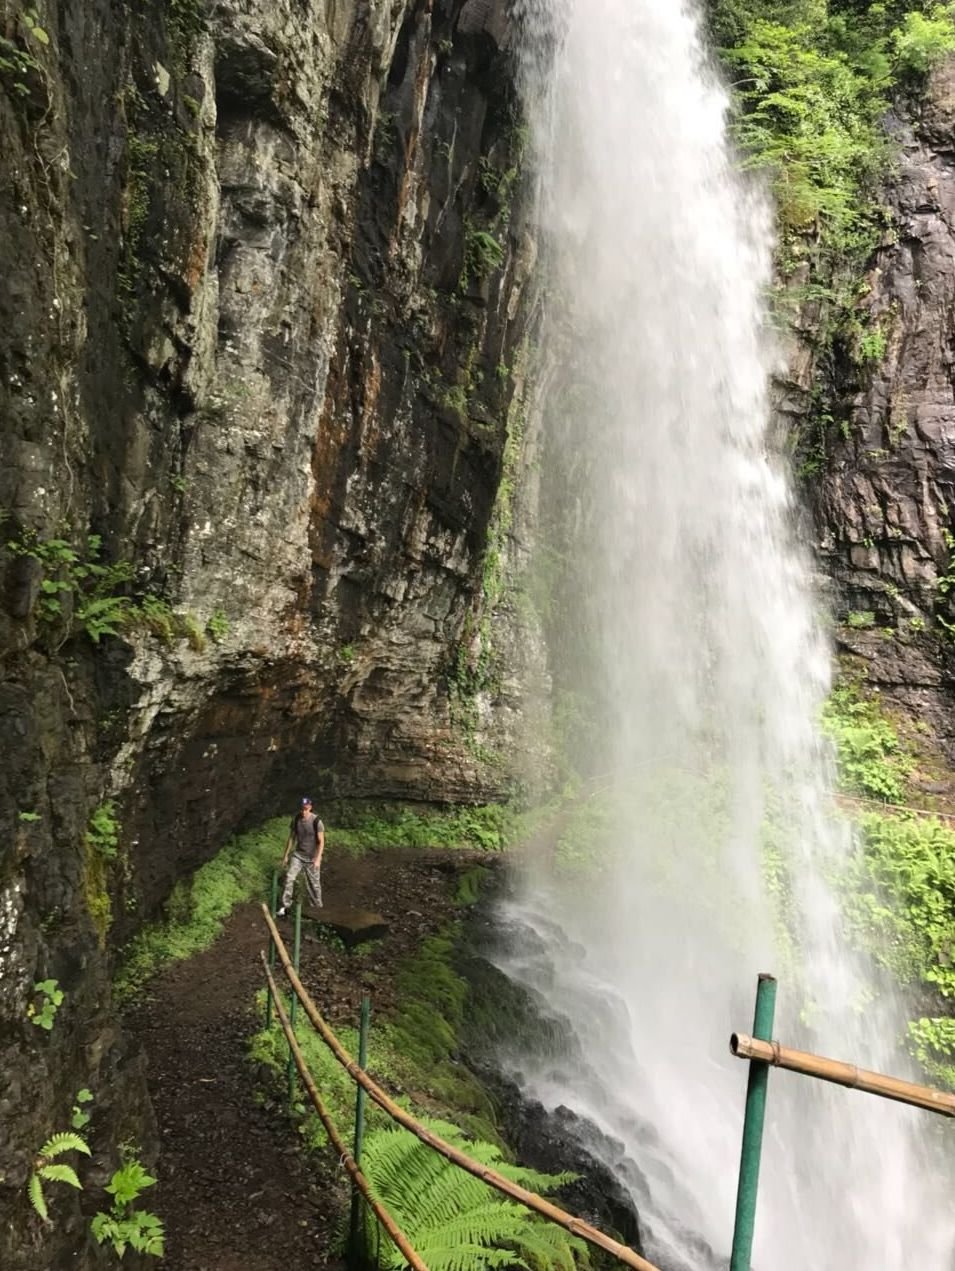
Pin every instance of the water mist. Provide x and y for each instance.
(710, 673)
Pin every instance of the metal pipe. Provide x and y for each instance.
(842, 1074)
(337, 1142)
(576, 1226)
(751, 1151)
(355, 1216)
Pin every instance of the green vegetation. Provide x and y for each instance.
(218, 626)
(125, 1226)
(79, 1116)
(52, 999)
(99, 852)
(899, 886)
(872, 760)
(812, 81)
(79, 593)
(198, 907)
(860, 619)
(482, 255)
(44, 1169)
(102, 833)
(453, 1220)
(17, 63)
(490, 827)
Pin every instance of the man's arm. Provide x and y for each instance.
(319, 845)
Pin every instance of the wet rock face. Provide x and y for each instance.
(267, 284)
(881, 452)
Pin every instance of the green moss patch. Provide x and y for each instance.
(199, 906)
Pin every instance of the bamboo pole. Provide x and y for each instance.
(842, 1074)
(576, 1226)
(382, 1214)
(354, 1222)
(757, 1084)
(297, 959)
(275, 905)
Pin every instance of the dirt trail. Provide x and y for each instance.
(235, 1191)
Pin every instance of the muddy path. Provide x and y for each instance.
(235, 1191)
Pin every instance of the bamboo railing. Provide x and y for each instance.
(537, 1204)
(382, 1214)
(842, 1074)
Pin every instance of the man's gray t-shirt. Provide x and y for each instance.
(305, 831)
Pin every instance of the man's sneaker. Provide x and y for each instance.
(281, 911)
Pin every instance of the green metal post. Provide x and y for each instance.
(353, 1239)
(272, 908)
(296, 959)
(756, 1085)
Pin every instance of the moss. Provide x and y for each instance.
(199, 906)
(96, 889)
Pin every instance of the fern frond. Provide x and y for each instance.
(60, 1143)
(37, 1199)
(546, 1247)
(466, 1258)
(60, 1174)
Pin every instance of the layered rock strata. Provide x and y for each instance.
(267, 284)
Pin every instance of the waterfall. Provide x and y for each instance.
(707, 663)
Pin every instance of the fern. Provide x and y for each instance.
(37, 1199)
(60, 1174)
(45, 1171)
(60, 1143)
(455, 1221)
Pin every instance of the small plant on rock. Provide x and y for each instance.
(44, 1169)
(80, 1117)
(218, 626)
(124, 1226)
(52, 996)
(102, 833)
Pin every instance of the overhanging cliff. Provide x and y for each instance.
(267, 292)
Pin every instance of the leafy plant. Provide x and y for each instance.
(102, 832)
(45, 1171)
(79, 1117)
(860, 619)
(922, 41)
(482, 254)
(455, 1221)
(125, 1226)
(218, 626)
(52, 996)
(32, 23)
(872, 760)
(28, 816)
(79, 577)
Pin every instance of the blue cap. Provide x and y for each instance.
(306, 800)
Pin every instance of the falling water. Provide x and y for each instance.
(712, 669)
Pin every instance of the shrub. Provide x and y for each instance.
(922, 41)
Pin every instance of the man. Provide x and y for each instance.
(307, 837)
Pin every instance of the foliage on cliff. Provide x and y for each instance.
(812, 81)
(899, 888)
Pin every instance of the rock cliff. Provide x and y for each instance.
(875, 414)
(261, 346)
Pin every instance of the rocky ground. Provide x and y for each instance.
(235, 1191)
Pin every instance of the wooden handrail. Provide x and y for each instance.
(361, 1182)
(842, 1074)
(576, 1226)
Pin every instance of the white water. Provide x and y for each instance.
(713, 670)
